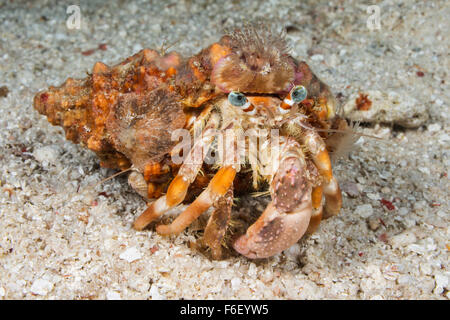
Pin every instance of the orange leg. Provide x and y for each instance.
(175, 195)
(316, 217)
(154, 170)
(154, 190)
(186, 175)
(321, 158)
(333, 198)
(217, 187)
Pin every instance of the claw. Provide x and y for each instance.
(284, 222)
(273, 232)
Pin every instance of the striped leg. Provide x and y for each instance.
(217, 188)
(186, 175)
(321, 158)
(317, 209)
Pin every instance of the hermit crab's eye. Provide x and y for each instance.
(299, 93)
(237, 99)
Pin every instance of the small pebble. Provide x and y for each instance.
(350, 188)
(419, 206)
(417, 248)
(155, 28)
(41, 287)
(373, 196)
(444, 138)
(403, 211)
(292, 252)
(113, 295)
(438, 290)
(364, 210)
(403, 239)
(235, 283)
(253, 270)
(385, 190)
(4, 91)
(404, 279)
(137, 47)
(154, 293)
(49, 154)
(441, 280)
(131, 254)
(424, 170)
(374, 223)
(435, 127)
(425, 268)
(441, 213)
(317, 57)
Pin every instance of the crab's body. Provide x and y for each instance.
(127, 114)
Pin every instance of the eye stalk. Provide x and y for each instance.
(296, 95)
(237, 99)
(299, 93)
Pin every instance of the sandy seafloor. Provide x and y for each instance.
(56, 243)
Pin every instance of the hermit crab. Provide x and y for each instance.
(240, 115)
